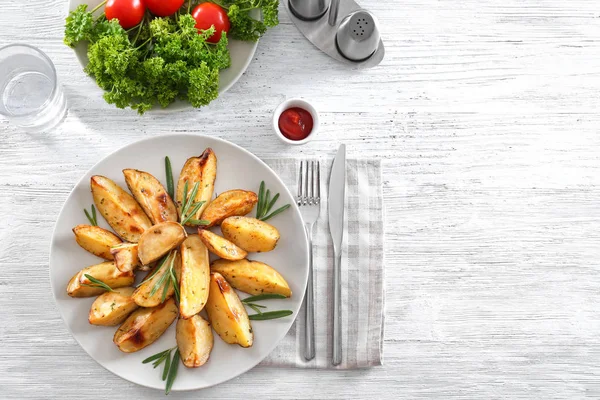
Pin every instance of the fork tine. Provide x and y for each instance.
(318, 181)
(300, 183)
(311, 192)
(305, 182)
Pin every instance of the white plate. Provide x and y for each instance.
(236, 168)
(241, 55)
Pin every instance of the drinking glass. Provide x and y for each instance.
(31, 97)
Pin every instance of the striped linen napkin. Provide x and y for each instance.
(362, 273)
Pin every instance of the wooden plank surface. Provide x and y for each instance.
(486, 115)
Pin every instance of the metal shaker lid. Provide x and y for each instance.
(358, 35)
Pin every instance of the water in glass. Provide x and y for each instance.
(31, 97)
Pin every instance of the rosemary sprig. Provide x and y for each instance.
(92, 218)
(172, 374)
(256, 307)
(270, 315)
(189, 207)
(265, 296)
(265, 204)
(167, 279)
(250, 302)
(169, 172)
(171, 365)
(96, 283)
(160, 264)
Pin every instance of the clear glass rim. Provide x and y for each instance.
(54, 76)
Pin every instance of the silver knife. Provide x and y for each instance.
(336, 200)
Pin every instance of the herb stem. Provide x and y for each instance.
(91, 217)
(98, 6)
(187, 215)
(171, 365)
(274, 213)
(265, 296)
(169, 171)
(97, 283)
(139, 28)
(172, 372)
(143, 44)
(270, 315)
(265, 204)
(255, 308)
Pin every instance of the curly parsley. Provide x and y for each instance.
(162, 59)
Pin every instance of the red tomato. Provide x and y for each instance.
(163, 8)
(209, 14)
(128, 12)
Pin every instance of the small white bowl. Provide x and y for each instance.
(301, 104)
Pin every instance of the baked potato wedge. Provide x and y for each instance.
(119, 209)
(159, 240)
(125, 256)
(203, 170)
(96, 240)
(221, 246)
(151, 196)
(227, 314)
(106, 272)
(229, 204)
(111, 308)
(195, 276)
(253, 277)
(250, 234)
(144, 296)
(194, 340)
(144, 326)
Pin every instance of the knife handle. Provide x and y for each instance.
(309, 334)
(337, 309)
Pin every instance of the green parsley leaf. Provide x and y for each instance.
(243, 26)
(106, 28)
(203, 85)
(79, 26)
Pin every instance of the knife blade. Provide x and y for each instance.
(335, 209)
(337, 197)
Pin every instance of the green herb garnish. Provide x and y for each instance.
(250, 302)
(92, 218)
(97, 283)
(265, 204)
(243, 26)
(270, 315)
(169, 172)
(160, 264)
(171, 365)
(163, 58)
(167, 279)
(189, 207)
(265, 296)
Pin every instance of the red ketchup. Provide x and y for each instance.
(295, 123)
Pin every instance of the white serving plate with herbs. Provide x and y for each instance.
(241, 56)
(237, 168)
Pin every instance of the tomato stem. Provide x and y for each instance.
(139, 28)
(219, 4)
(98, 6)
(143, 44)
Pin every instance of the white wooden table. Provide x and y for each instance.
(487, 116)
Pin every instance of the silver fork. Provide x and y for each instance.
(309, 201)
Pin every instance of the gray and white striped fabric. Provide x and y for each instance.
(362, 273)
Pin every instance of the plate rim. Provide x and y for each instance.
(294, 207)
